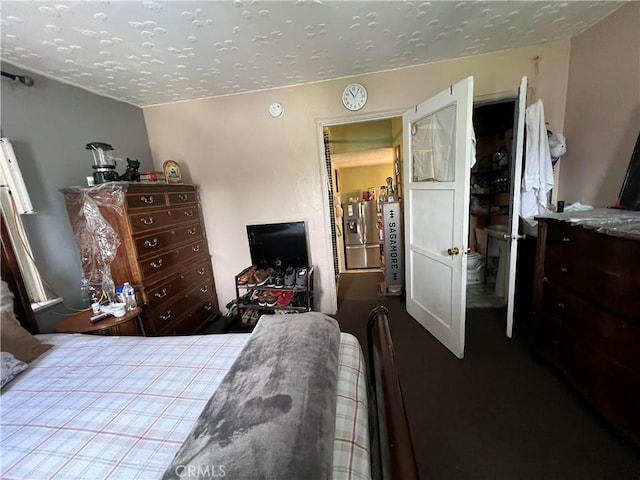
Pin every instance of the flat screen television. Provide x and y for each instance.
(277, 244)
(629, 198)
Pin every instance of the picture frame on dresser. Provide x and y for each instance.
(172, 172)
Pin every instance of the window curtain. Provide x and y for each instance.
(15, 202)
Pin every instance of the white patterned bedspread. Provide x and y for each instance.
(98, 407)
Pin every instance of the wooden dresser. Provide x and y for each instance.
(163, 252)
(587, 309)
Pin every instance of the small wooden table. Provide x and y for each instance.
(80, 323)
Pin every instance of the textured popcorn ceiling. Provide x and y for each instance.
(151, 52)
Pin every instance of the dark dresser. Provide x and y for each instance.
(163, 250)
(586, 314)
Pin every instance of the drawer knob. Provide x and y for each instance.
(566, 239)
(201, 271)
(183, 197)
(204, 289)
(191, 231)
(147, 221)
(156, 265)
(167, 316)
(208, 306)
(188, 213)
(161, 294)
(196, 248)
(147, 200)
(151, 243)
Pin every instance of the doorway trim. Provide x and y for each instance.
(331, 289)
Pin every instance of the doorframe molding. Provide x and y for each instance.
(501, 97)
(331, 289)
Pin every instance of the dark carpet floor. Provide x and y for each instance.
(495, 414)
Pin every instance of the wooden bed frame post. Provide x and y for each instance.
(393, 439)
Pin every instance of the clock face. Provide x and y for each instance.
(354, 96)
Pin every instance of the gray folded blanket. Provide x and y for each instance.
(273, 415)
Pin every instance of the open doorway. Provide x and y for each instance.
(363, 171)
(490, 205)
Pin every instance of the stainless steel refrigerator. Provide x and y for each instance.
(361, 235)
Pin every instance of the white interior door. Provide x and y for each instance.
(437, 152)
(514, 209)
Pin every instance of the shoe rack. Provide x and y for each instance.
(248, 299)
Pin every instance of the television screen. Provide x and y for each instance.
(629, 198)
(278, 244)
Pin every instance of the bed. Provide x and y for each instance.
(121, 407)
(127, 407)
(81, 409)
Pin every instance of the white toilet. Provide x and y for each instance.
(475, 268)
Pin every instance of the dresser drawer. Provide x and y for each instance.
(124, 329)
(612, 338)
(194, 320)
(159, 266)
(613, 388)
(182, 198)
(157, 219)
(581, 365)
(178, 283)
(600, 268)
(142, 199)
(161, 317)
(157, 242)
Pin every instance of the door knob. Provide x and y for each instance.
(507, 236)
(453, 251)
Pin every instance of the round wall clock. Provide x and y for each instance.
(354, 96)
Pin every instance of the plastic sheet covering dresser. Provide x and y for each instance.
(97, 241)
(621, 223)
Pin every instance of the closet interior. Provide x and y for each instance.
(490, 202)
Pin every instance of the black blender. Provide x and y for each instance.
(104, 164)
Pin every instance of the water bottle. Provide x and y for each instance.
(129, 296)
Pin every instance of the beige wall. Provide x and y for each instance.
(355, 180)
(252, 168)
(603, 109)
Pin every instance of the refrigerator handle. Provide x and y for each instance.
(363, 223)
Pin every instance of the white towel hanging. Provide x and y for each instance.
(537, 180)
